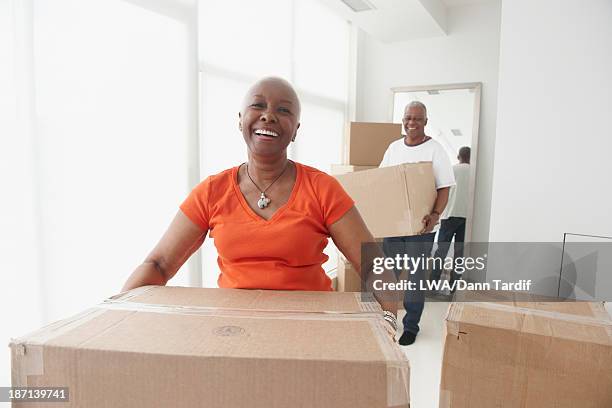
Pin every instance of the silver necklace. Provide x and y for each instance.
(264, 201)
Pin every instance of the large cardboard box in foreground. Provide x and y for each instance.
(366, 142)
(392, 200)
(191, 347)
(527, 354)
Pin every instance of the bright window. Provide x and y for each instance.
(241, 42)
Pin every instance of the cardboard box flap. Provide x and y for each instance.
(586, 323)
(255, 300)
(139, 327)
(225, 336)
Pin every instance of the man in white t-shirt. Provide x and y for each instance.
(415, 147)
(455, 215)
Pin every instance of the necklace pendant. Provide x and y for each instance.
(263, 201)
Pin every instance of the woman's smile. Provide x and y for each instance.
(265, 134)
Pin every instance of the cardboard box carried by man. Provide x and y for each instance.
(391, 200)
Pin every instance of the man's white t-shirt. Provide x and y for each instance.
(430, 151)
(458, 196)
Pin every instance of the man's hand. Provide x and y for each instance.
(429, 222)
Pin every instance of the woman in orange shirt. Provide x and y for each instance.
(269, 217)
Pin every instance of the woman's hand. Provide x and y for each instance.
(391, 323)
(389, 314)
(386, 305)
(348, 233)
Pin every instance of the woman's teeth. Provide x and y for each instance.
(266, 132)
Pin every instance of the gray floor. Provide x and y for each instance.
(425, 356)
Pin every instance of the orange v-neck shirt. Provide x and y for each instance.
(284, 252)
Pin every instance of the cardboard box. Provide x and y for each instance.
(393, 200)
(189, 347)
(527, 354)
(349, 279)
(366, 143)
(334, 283)
(337, 169)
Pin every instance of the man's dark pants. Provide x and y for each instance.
(452, 226)
(415, 246)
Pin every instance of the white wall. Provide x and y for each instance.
(21, 292)
(94, 135)
(554, 140)
(469, 53)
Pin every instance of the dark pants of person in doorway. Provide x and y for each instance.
(415, 246)
(449, 228)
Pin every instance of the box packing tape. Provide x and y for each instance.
(223, 311)
(123, 296)
(28, 354)
(602, 320)
(398, 367)
(367, 303)
(30, 362)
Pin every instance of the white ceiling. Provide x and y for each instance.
(400, 20)
(452, 3)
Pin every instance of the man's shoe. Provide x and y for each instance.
(407, 338)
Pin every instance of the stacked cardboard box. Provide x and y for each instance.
(349, 279)
(192, 347)
(366, 143)
(527, 354)
(392, 200)
(364, 147)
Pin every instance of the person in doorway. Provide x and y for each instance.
(270, 217)
(455, 215)
(415, 147)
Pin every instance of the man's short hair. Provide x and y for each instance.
(417, 104)
(464, 154)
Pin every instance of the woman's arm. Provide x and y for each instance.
(182, 239)
(348, 233)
